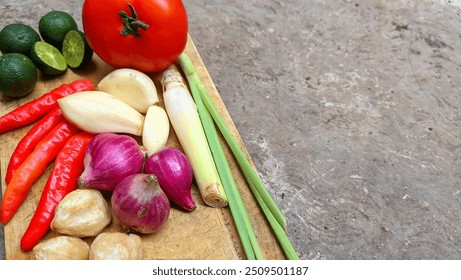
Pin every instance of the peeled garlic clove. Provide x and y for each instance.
(156, 129)
(98, 112)
(61, 248)
(131, 86)
(116, 246)
(82, 213)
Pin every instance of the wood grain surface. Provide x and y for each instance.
(206, 233)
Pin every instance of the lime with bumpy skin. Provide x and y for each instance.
(18, 38)
(18, 75)
(54, 25)
(76, 50)
(48, 59)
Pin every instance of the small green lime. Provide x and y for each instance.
(76, 50)
(48, 59)
(18, 75)
(18, 38)
(54, 25)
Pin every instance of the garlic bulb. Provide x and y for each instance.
(82, 213)
(116, 246)
(61, 248)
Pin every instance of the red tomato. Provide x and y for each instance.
(121, 44)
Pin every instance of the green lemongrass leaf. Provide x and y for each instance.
(279, 232)
(270, 209)
(247, 169)
(238, 210)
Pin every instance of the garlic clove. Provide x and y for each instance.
(61, 248)
(131, 86)
(156, 129)
(116, 246)
(98, 112)
(82, 213)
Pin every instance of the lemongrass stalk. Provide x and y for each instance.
(236, 205)
(270, 209)
(255, 184)
(184, 118)
(247, 169)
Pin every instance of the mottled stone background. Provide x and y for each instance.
(349, 109)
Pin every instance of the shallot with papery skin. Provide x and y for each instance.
(110, 158)
(174, 173)
(140, 204)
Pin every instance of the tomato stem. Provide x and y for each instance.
(132, 23)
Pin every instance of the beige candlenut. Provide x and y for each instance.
(61, 248)
(82, 213)
(116, 246)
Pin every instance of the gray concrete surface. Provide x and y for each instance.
(350, 110)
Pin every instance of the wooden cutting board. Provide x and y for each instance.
(204, 234)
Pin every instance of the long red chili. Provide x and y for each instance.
(30, 140)
(33, 167)
(33, 110)
(63, 179)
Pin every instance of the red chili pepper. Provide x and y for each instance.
(33, 167)
(33, 110)
(63, 179)
(30, 140)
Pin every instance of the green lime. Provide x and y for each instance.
(18, 38)
(48, 59)
(54, 25)
(76, 50)
(18, 75)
